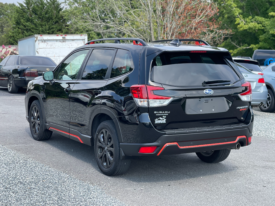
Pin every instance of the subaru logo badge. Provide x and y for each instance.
(208, 91)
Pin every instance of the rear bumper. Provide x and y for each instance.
(204, 140)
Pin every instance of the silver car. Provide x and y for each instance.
(259, 90)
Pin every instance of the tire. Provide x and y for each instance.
(37, 123)
(214, 156)
(12, 88)
(107, 150)
(270, 104)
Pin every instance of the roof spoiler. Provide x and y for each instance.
(177, 42)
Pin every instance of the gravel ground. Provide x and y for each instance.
(264, 124)
(71, 175)
(27, 182)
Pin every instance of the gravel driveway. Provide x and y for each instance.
(63, 172)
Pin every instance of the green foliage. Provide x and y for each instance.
(6, 21)
(252, 23)
(37, 17)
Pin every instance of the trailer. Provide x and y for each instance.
(54, 46)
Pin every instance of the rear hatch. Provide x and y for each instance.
(201, 89)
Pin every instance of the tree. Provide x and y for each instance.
(37, 17)
(146, 19)
(6, 21)
(252, 23)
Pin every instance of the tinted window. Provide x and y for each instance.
(98, 64)
(122, 63)
(36, 61)
(69, 69)
(264, 57)
(191, 69)
(12, 61)
(252, 67)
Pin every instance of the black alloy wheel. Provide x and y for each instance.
(12, 88)
(269, 106)
(35, 120)
(107, 150)
(37, 123)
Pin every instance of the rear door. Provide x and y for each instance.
(203, 89)
(3, 77)
(6, 70)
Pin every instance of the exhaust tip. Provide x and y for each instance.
(238, 146)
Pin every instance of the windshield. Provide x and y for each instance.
(252, 67)
(41, 61)
(191, 69)
(264, 57)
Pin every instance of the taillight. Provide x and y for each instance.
(31, 73)
(247, 95)
(144, 96)
(261, 73)
(261, 80)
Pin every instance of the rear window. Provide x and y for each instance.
(264, 57)
(41, 61)
(252, 67)
(191, 69)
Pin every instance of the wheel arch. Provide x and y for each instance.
(31, 99)
(102, 115)
(269, 86)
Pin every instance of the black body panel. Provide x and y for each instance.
(74, 108)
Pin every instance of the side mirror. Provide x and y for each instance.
(48, 76)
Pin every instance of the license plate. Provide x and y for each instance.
(206, 105)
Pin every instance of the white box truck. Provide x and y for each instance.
(54, 46)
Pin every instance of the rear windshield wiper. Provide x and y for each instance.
(216, 82)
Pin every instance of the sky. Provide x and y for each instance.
(11, 1)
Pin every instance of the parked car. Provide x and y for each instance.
(144, 100)
(250, 64)
(269, 76)
(264, 57)
(16, 71)
(259, 90)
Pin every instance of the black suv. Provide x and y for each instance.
(143, 99)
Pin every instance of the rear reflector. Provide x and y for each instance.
(249, 140)
(147, 150)
(144, 96)
(261, 80)
(247, 95)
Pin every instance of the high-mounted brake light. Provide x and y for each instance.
(198, 52)
(247, 95)
(261, 80)
(144, 96)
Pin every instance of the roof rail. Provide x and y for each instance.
(176, 42)
(136, 41)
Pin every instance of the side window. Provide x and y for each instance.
(69, 69)
(98, 64)
(4, 61)
(123, 63)
(12, 61)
